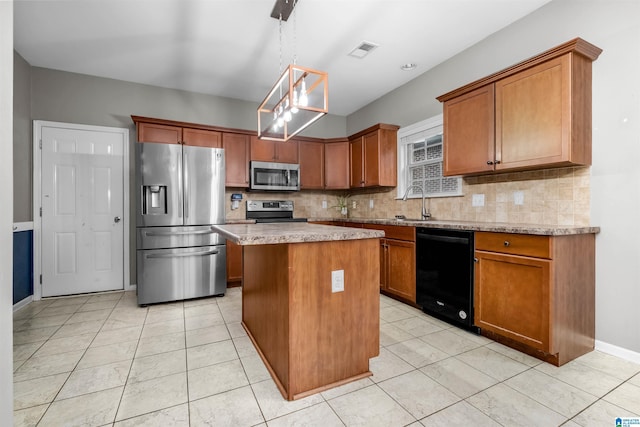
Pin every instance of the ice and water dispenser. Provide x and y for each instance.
(154, 200)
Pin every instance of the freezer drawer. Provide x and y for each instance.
(177, 274)
(177, 237)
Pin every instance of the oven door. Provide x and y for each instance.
(275, 176)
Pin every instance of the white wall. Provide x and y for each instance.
(6, 213)
(614, 26)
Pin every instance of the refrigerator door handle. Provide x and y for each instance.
(180, 193)
(186, 185)
(177, 233)
(182, 254)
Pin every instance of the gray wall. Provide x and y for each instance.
(614, 26)
(22, 141)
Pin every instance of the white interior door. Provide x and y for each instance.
(82, 199)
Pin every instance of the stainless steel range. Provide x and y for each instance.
(271, 211)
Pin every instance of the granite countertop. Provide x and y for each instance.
(496, 227)
(291, 232)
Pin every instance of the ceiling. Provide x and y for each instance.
(230, 48)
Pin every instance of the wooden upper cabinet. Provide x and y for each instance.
(311, 165)
(373, 154)
(532, 115)
(541, 119)
(236, 148)
(274, 151)
(152, 132)
(336, 165)
(202, 138)
(469, 132)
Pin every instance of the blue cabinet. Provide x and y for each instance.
(22, 265)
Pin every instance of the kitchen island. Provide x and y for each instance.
(311, 335)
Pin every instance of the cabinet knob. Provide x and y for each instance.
(506, 243)
(497, 162)
(489, 162)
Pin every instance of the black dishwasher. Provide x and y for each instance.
(444, 274)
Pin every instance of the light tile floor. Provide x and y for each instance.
(101, 360)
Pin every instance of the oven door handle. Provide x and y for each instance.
(446, 239)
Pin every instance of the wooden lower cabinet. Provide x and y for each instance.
(234, 264)
(398, 268)
(537, 293)
(397, 261)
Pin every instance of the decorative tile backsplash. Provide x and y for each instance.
(548, 197)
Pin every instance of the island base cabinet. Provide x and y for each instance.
(537, 293)
(309, 337)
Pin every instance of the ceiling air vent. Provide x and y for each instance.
(363, 49)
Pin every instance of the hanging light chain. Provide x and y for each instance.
(295, 33)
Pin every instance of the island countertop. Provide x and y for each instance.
(291, 232)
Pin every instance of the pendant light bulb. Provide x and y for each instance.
(280, 121)
(294, 108)
(304, 99)
(287, 112)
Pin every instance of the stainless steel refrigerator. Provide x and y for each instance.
(180, 194)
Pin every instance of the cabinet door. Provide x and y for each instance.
(287, 152)
(234, 262)
(311, 165)
(357, 163)
(512, 297)
(469, 133)
(401, 265)
(533, 116)
(151, 132)
(263, 150)
(202, 138)
(371, 159)
(336, 165)
(236, 148)
(384, 265)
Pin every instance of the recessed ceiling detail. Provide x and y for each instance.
(363, 49)
(408, 66)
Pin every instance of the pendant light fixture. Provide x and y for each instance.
(298, 98)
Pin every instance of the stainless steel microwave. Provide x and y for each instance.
(275, 176)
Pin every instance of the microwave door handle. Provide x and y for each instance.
(287, 177)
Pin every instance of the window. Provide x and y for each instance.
(420, 161)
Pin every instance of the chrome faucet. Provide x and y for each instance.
(424, 215)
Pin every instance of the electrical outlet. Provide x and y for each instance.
(337, 281)
(354, 204)
(477, 200)
(324, 204)
(518, 198)
(370, 203)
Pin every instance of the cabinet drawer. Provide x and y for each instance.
(515, 244)
(398, 232)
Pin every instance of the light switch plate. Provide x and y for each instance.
(324, 204)
(518, 198)
(337, 281)
(370, 203)
(477, 200)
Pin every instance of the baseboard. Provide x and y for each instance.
(130, 287)
(22, 303)
(620, 352)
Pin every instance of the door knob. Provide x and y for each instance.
(117, 219)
